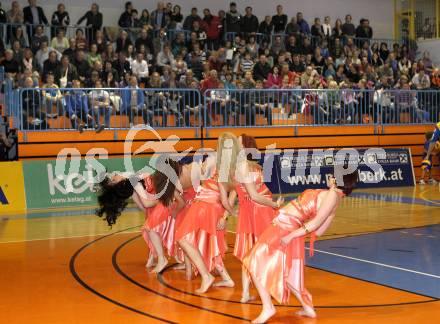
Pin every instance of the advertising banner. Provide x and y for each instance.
(52, 184)
(299, 170)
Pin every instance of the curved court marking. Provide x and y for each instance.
(423, 197)
(165, 284)
(136, 283)
(97, 293)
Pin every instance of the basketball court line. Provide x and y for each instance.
(376, 263)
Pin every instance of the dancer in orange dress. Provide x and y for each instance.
(276, 263)
(256, 207)
(153, 194)
(202, 231)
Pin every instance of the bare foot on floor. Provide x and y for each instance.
(247, 299)
(150, 263)
(225, 283)
(206, 283)
(307, 312)
(161, 264)
(264, 316)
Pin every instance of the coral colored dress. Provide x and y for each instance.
(253, 218)
(274, 265)
(188, 196)
(199, 226)
(159, 220)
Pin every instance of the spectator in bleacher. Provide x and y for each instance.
(302, 23)
(43, 54)
(364, 30)
(317, 30)
(139, 68)
(67, 72)
(100, 41)
(383, 51)
(189, 20)
(101, 105)
(266, 28)
(327, 27)
(233, 18)
(60, 18)
(195, 63)
(337, 31)
(427, 62)
(51, 66)
(125, 20)
(71, 51)
(52, 96)
(14, 16)
(81, 41)
(38, 38)
(348, 29)
(133, 103)
(33, 117)
(178, 45)
(60, 42)
(144, 20)
(165, 58)
(307, 48)
(33, 16)
(159, 41)
(145, 40)
(261, 69)
(123, 42)
(279, 21)
(404, 101)
(274, 79)
(10, 65)
(18, 36)
(292, 27)
(277, 46)
(421, 80)
(193, 104)
(249, 22)
(18, 51)
(158, 16)
(176, 16)
(93, 55)
(28, 62)
(121, 65)
(213, 26)
(82, 67)
(77, 107)
(93, 20)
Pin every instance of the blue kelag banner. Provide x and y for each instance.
(296, 171)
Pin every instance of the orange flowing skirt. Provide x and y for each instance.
(199, 228)
(188, 195)
(277, 267)
(159, 220)
(253, 220)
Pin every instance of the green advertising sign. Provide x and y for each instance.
(69, 183)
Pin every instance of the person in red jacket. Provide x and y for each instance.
(213, 26)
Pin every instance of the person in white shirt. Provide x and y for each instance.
(139, 67)
(327, 27)
(101, 105)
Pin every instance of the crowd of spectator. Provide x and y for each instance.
(227, 51)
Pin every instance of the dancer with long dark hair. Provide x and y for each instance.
(153, 193)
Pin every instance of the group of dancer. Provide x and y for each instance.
(187, 211)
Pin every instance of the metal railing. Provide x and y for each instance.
(314, 40)
(98, 109)
(111, 33)
(287, 107)
(75, 108)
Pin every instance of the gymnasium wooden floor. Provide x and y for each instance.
(378, 263)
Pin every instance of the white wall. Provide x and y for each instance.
(380, 12)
